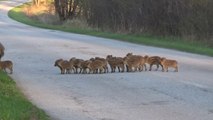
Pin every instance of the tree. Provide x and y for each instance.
(38, 2)
(67, 9)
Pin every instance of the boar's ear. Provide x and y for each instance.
(128, 54)
(146, 56)
(72, 58)
(108, 56)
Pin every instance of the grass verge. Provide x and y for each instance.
(164, 42)
(13, 104)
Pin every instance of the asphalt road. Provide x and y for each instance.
(155, 95)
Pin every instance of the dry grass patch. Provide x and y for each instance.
(43, 13)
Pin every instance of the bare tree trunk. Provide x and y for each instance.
(66, 9)
(39, 2)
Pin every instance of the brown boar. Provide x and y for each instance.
(64, 66)
(169, 63)
(134, 61)
(115, 62)
(95, 66)
(104, 62)
(4, 65)
(77, 64)
(85, 66)
(153, 60)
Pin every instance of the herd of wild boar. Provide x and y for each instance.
(129, 63)
(7, 64)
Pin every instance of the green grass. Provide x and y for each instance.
(13, 104)
(165, 42)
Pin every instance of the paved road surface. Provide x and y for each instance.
(186, 95)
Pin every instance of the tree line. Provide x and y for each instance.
(191, 18)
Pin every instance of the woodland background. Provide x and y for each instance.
(188, 19)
